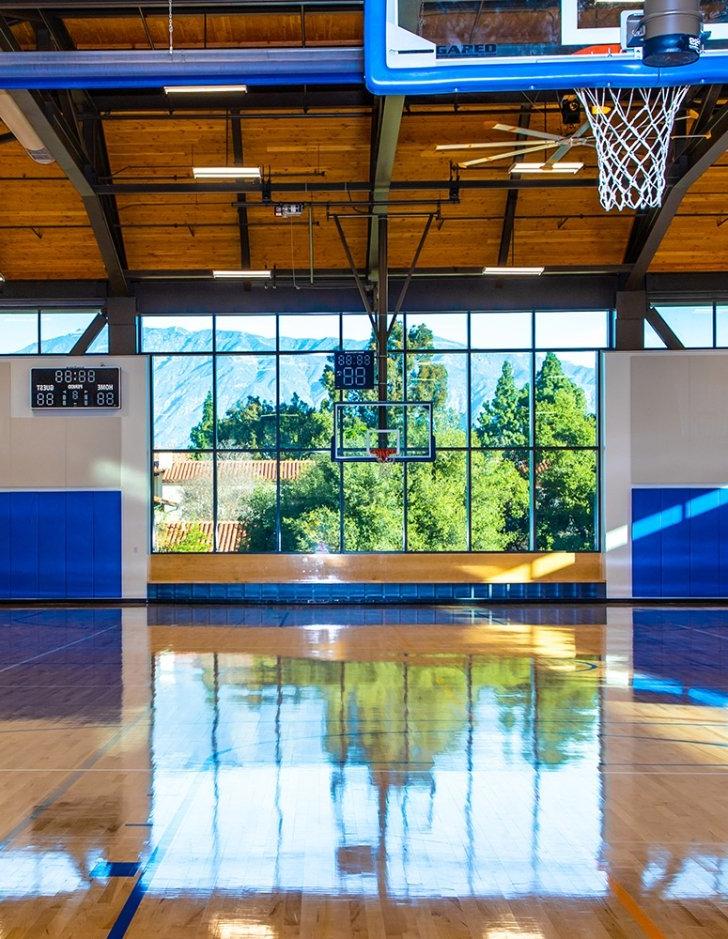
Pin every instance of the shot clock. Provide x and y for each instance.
(75, 387)
(353, 370)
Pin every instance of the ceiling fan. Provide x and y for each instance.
(540, 141)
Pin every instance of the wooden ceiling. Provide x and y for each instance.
(45, 232)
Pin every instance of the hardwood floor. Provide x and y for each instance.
(323, 773)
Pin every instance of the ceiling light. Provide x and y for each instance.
(226, 172)
(517, 271)
(557, 167)
(204, 89)
(2, 278)
(242, 275)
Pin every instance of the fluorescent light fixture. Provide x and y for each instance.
(517, 271)
(242, 275)
(557, 167)
(226, 172)
(205, 89)
(2, 278)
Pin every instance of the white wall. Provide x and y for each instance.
(83, 449)
(665, 424)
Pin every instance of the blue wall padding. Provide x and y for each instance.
(679, 542)
(60, 545)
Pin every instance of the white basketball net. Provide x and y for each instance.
(632, 128)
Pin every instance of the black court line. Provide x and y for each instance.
(69, 781)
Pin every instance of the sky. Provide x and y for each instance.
(555, 330)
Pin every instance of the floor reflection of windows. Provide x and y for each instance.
(398, 778)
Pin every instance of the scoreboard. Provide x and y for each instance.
(354, 370)
(75, 387)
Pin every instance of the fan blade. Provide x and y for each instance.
(508, 153)
(569, 144)
(479, 146)
(541, 135)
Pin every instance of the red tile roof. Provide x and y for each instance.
(171, 534)
(182, 471)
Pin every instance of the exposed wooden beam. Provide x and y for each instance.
(63, 143)
(698, 158)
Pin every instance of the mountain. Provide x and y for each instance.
(181, 383)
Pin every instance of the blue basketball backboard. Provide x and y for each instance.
(448, 46)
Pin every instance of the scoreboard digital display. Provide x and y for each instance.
(353, 370)
(75, 387)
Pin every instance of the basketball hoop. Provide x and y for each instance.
(632, 128)
(383, 454)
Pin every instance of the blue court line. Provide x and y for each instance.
(105, 869)
(139, 890)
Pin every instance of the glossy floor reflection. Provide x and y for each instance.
(411, 773)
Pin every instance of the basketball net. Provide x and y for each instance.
(632, 129)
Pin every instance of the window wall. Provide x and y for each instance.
(242, 423)
(48, 331)
(697, 325)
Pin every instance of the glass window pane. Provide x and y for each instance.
(566, 491)
(306, 395)
(245, 333)
(693, 325)
(183, 502)
(437, 330)
(61, 330)
(100, 345)
(19, 333)
(357, 331)
(246, 502)
(182, 396)
(652, 340)
(246, 402)
(566, 395)
(436, 515)
(309, 502)
(373, 507)
(312, 331)
(500, 330)
(176, 334)
(571, 329)
(441, 378)
(500, 388)
(499, 500)
(721, 323)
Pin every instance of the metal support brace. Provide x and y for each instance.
(410, 272)
(382, 308)
(87, 337)
(357, 276)
(662, 328)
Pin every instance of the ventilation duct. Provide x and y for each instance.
(18, 125)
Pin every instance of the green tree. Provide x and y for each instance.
(565, 479)
(202, 434)
(504, 420)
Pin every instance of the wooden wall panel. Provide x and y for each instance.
(556, 567)
(44, 229)
(381, 643)
(217, 30)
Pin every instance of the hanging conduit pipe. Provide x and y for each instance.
(148, 68)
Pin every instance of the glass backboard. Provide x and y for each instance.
(446, 46)
(383, 431)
